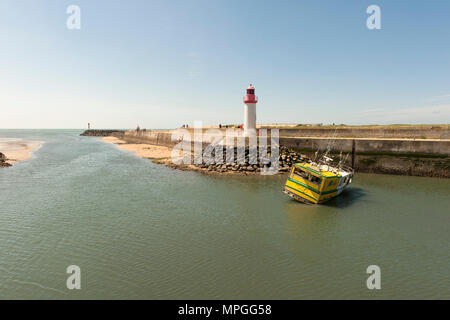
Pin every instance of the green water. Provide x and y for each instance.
(139, 230)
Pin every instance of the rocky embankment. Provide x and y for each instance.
(3, 162)
(100, 133)
(286, 158)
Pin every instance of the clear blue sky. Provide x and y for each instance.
(165, 63)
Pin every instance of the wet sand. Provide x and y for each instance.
(16, 151)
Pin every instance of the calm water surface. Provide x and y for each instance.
(142, 231)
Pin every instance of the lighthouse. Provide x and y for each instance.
(250, 101)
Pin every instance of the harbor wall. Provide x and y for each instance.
(403, 157)
(160, 138)
(438, 132)
(381, 132)
(370, 146)
(429, 158)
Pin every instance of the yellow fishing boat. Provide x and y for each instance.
(316, 183)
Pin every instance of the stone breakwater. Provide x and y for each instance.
(3, 162)
(252, 163)
(101, 133)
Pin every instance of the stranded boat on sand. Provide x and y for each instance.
(316, 183)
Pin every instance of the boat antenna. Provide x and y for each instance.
(340, 159)
(330, 145)
(316, 154)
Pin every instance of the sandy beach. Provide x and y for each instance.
(18, 150)
(142, 150)
(163, 155)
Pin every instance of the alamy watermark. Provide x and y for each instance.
(74, 20)
(374, 280)
(74, 280)
(374, 20)
(214, 146)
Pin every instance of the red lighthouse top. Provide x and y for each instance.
(250, 96)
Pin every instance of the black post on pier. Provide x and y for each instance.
(353, 153)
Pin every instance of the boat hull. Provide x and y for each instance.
(312, 185)
(297, 197)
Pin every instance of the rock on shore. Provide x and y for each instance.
(100, 133)
(286, 159)
(3, 162)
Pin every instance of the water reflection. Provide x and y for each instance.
(348, 197)
(305, 221)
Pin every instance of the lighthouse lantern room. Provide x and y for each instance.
(250, 101)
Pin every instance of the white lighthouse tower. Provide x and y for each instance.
(250, 101)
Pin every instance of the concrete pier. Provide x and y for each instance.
(388, 154)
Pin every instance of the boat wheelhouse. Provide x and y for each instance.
(313, 183)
